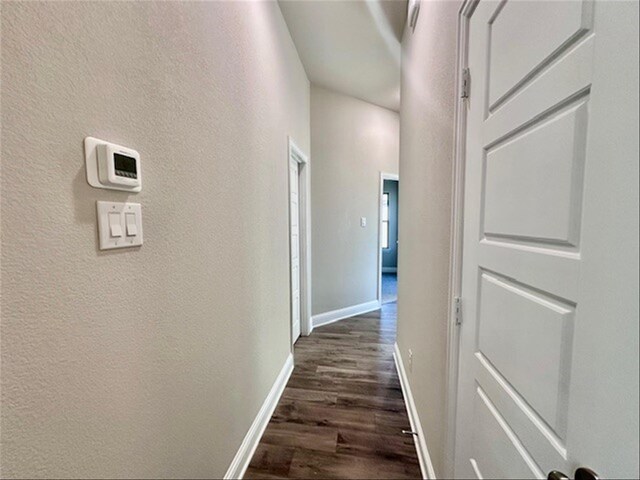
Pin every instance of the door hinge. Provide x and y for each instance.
(466, 83)
(457, 308)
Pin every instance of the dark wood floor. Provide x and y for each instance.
(342, 412)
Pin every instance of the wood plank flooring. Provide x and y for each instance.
(342, 412)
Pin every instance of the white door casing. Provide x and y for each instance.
(294, 233)
(301, 314)
(383, 176)
(548, 368)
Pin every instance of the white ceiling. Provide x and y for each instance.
(352, 47)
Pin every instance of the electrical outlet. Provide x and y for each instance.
(410, 360)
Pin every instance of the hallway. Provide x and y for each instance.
(342, 412)
(264, 238)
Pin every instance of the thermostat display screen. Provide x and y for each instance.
(125, 166)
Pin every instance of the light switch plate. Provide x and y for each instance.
(363, 221)
(120, 211)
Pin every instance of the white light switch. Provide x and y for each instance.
(117, 219)
(363, 221)
(115, 228)
(130, 220)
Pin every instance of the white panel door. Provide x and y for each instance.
(549, 343)
(294, 226)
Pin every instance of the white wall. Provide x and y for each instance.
(351, 142)
(426, 160)
(150, 362)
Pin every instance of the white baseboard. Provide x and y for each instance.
(426, 466)
(335, 315)
(252, 438)
(389, 269)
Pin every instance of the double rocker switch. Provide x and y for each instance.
(115, 225)
(119, 225)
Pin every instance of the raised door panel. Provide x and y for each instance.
(526, 336)
(533, 182)
(525, 37)
(497, 451)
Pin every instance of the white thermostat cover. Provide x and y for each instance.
(92, 166)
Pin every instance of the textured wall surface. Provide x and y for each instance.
(426, 161)
(148, 362)
(351, 142)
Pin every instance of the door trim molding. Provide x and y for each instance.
(383, 176)
(457, 228)
(342, 313)
(426, 466)
(251, 440)
(304, 196)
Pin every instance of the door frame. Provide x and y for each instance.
(457, 228)
(296, 154)
(383, 176)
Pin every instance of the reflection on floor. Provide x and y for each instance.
(389, 287)
(342, 412)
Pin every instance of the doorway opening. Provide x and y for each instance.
(388, 239)
(299, 236)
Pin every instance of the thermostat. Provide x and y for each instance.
(112, 166)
